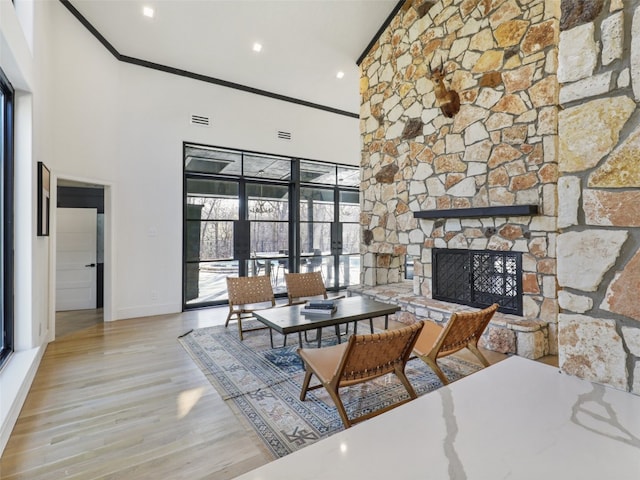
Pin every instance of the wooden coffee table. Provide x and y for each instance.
(286, 320)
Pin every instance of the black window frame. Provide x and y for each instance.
(294, 183)
(6, 226)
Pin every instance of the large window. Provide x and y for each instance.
(256, 214)
(6, 212)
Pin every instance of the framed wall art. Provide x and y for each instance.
(44, 199)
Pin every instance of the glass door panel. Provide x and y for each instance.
(349, 270)
(349, 208)
(268, 213)
(349, 217)
(315, 239)
(210, 240)
(269, 239)
(211, 206)
(269, 252)
(268, 202)
(317, 212)
(205, 282)
(214, 199)
(316, 216)
(350, 238)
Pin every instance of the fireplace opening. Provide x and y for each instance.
(478, 278)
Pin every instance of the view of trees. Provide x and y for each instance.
(215, 240)
(269, 228)
(219, 181)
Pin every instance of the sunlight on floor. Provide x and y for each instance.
(187, 400)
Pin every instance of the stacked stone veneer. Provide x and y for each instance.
(500, 149)
(549, 93)
(598, 191)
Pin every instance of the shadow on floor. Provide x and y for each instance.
(72, 321)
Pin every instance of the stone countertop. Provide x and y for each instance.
(516, 419)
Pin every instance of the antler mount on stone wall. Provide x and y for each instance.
(449, 100)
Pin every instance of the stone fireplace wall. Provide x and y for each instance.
(598, 189)
(549, 116)
(500, 149)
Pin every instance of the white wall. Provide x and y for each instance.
(88, 116)
(126, 124)
(16, 60)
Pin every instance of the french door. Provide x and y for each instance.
(267, 219)
(330, 235)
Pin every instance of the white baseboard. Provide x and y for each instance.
(147, 311)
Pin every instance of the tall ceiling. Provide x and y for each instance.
(305, 42)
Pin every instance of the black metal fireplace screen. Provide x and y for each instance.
(478, 278)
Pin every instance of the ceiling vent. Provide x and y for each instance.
(201, 120)
(284, 135)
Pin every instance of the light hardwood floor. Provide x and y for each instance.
(123, 400)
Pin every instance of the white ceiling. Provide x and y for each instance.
(305, 42)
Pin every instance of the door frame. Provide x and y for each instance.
(108, 191)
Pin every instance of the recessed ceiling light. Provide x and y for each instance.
(148, 12)
(257, 47)
(340, 74)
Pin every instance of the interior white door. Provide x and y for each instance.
(76, 246)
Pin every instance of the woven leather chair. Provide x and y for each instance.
(362, 358)
(247, 295)
(463, 330)
(309, 285)
(306, 286)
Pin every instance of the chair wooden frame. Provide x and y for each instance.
(247, 295)
(463, 330)
(362, 358)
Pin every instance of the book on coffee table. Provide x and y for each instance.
(318, 307)
(320, 304)
(317, 311)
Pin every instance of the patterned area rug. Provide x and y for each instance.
(262, 385)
